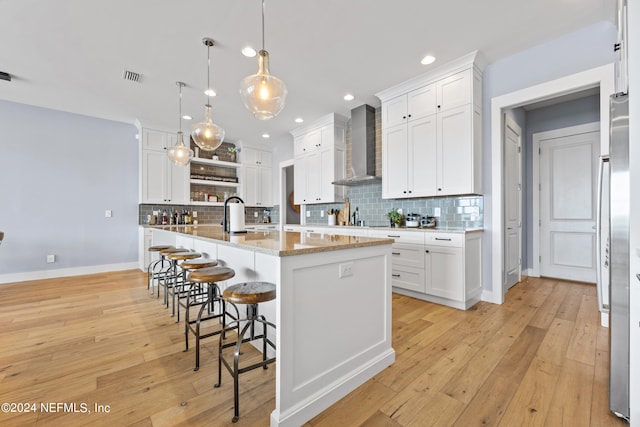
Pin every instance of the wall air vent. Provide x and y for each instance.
(5, 76)
(131, 76)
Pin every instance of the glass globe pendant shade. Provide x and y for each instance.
(180, 154)
(206, 134)
(263, 94)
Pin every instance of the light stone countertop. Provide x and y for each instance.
(387, 228)
(275, 242)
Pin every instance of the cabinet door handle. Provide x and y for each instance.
(409, 191)
(427, 251)
(395, 253)
(409, 115)
(438, 107)
(405, 192)
(439, 189)
(404, 117)
(395, 275)
(446, 240)
(389, 235)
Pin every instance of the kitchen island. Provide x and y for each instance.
(332, 310)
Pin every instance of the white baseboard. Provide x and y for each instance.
(66, 272)
(488, 296)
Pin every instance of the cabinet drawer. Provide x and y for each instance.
(408, 278)
(407, 255)
(412, 237)
(444, 239)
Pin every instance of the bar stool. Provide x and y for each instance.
(179, 277)
(166, 272)
(209, 277)
(151, 274)
(196, 291)
(251, 294)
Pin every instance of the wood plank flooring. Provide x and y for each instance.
(540, 359)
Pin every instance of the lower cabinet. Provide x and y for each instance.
(441, 267)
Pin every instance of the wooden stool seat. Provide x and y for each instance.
(170, 250)
(250, 293)
(158, 248)
(198, 263)
(210, 274)
(181, 256)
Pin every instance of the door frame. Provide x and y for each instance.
(555, 133)
(602, 77)
(283, 196)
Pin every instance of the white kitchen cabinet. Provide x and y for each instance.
(441, 267)
(257, 180)
(409, 156)
(444, 272)
(431, 133)
(161, 181)
(320, 159)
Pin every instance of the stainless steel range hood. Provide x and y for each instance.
(363, 147)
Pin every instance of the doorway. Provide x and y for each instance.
(289, 213)
(600, 77)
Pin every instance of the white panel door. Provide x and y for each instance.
(421, 102)
(568, 174)
(454, 91)
(154, 180)
(250, 183)
(512, 203)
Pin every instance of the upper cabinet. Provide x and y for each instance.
(431, 133)
(161, 182)
(319, 159)
(257, 178)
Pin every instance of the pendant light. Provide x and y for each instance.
(263, 94)
(206, 134)
(180, 154)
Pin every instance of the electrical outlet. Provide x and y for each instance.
(400, 211)
(308, 214)
(107, 213)
(321, 214)
(345, 270)
(195, 214)
(436, 212)
(51, 258)
(255, 214)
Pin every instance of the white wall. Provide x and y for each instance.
(59, 172)
(582, 50)
(634, 162)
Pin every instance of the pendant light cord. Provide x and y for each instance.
(180, 108)
(208, 76)
(262, 24)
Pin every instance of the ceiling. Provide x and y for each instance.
(69, 55)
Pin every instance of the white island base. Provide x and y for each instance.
(332, 311)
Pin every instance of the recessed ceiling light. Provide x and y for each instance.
(266, 135)
(210, 92)
(349, 97)
(185, 117)
(429, 59)
(248, 51)
(299, 120)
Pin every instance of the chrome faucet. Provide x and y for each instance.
(224, 212)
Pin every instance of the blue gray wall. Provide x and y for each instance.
(581, 50)
(59, 172)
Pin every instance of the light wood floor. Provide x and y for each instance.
(540, 359)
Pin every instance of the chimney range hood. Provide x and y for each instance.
(363, 147)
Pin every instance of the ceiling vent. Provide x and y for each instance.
(5, 76)
(131, 76)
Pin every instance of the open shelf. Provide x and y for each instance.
(215, 183)
(218, 163)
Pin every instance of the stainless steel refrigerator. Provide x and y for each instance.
(614, 256)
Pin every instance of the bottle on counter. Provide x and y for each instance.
(165, 220)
